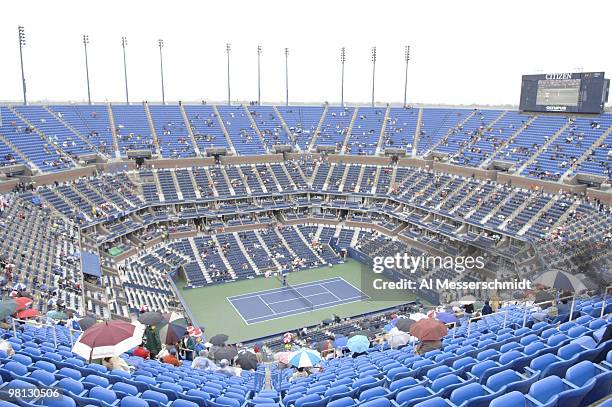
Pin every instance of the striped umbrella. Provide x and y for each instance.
(287, 337)
(304, 357)
(560, 280)
(173, 328)
(108, 339)
(194, 331)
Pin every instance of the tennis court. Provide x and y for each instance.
(295, 299)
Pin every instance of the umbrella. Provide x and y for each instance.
(19, 287)
(219, 340)
(28, 313)
(57, 315)
(417, 316)
(428, 329)
(226, 352)
(173, 328)
(87, 322)
(22, 303)
(560, 280)
(518, 295)
(304, 357)
(387, 327)
(107, 339)
(150, 318)
(341, 341)
(358, 343)
(446, 317)
(467, 299)
(287, 337)
(247, 360)
(7, 307)
(397, 338)
(282, 357)
(403, 324)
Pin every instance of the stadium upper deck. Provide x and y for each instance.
(547, 147)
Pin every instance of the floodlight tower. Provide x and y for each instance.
(228, 49)
(373, 72)
(407, 58)
(286, 76)
(342, 61)
(22, 43)
(160, 43)
(123, 45)
(85, 43)
(259, 49)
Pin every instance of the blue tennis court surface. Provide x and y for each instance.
(281, 302)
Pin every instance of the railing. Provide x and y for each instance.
(495, 314)
(47, 325)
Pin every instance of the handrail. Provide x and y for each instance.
(488, 315)
(46, 325)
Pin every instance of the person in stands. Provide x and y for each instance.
(171, 358)
(486, 309)
(142, 352)
(116, 363)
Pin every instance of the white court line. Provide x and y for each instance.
(329, 305)
(262, 300)
(236, 309)
(364, 295)
(325, 288)
(280, 289)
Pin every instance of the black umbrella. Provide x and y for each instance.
(403, 324)
(219, 340)
(150, 318)
(87, 322)
(247, 360)
(226, 352)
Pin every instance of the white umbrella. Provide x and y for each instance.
(304, 357)
(418, 315)
(397, 338)
(467, 299)
(108, 339)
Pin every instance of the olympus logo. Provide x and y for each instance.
(556, 108)
(558, 76)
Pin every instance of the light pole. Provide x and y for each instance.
(342, 61)
(228, 48)
(259, 74)
(407, 57)
(127, 95)
(22, 43)
(373, 72)
(85, 42)
(286, 76)
(160, 42)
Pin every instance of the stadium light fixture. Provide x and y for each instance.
(373, 72)
(228, 49)
(259, 50)
(160, 43)
(407, 58)
(342, 61)
(286, 76)
(85, 43)
(123, 45)
(22, 43)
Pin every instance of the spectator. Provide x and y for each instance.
(152, 341)
(142, 352)
(203, 362)
(486, 309)
(7, 347)
(300, 372)
(116, 363)
(171, 358)
(225, 369)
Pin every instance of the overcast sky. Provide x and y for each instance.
(462, 52)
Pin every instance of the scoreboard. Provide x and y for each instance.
(582, 92)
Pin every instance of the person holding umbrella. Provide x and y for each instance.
(152, 341)
(430, 331)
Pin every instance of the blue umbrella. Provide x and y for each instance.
(304, 357)
(358, 344)
(446, 317)
(388, 327)
(340, 341)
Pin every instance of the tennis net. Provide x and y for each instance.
(296, 293)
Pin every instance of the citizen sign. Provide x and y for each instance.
(558, 76)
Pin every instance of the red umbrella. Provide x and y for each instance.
(28, 313)
(287, 337)
(107, 339)
(22, 302)
(428, 329)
